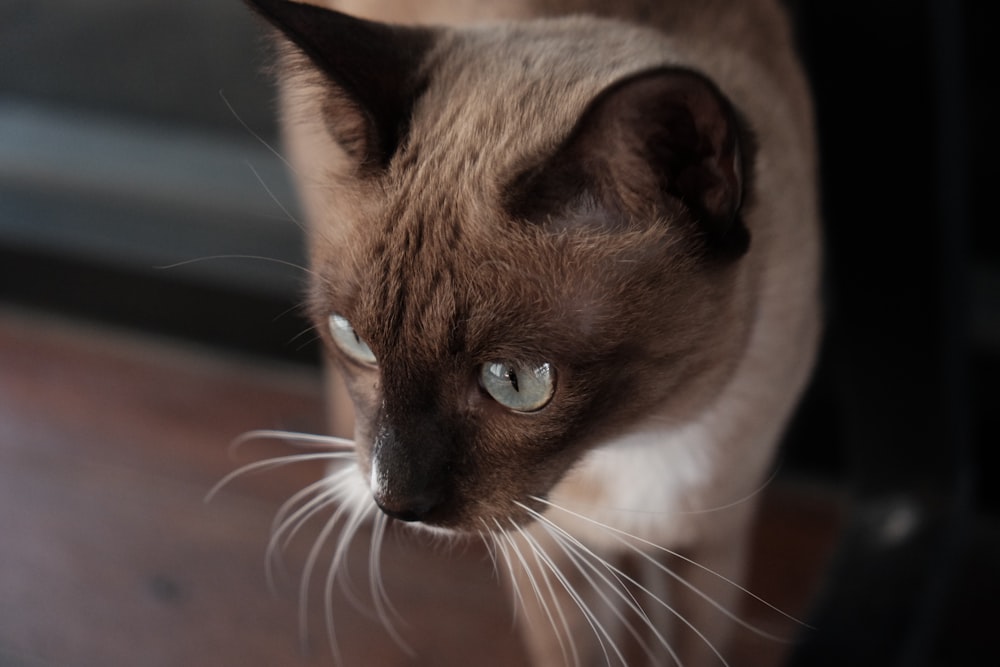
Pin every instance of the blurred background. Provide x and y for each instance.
(136, 136)
(140, 191)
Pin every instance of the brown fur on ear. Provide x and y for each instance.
(375, 66)
(661, 144)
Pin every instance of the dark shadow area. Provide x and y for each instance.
(900, 103)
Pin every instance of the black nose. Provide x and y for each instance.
(410, 476)
(407, 509)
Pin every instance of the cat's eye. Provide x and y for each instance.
(348, 340)
(520, 387)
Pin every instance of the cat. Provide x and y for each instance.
(565, 260)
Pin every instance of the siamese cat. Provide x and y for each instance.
(564, 259)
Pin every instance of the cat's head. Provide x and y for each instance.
(527, 239)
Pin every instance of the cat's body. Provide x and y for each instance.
(507, 198)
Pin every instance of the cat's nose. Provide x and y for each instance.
(404, 485)
(417, 508)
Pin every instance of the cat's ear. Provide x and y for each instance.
(373, 69)
(654, 146)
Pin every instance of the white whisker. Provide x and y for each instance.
(258, 258)
(328, 442)
(580, 555)
(268, 464)
(504, 542)
(704, 596)
(488, 542)
(338, 570)
(546, 565)
(653, 545)
(387, 612)
(706, 510)
(274, 198)
(255, 135)
(325, 487)
(539, 594)
(307, 571)
(739, 501)
(287, 524)
(600, 632)
(499, 539)
(621, 538)
(301, 338)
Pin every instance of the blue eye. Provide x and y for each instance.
(520, 387)
(350, 342)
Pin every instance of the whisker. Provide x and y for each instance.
(383, 605)
(604, 638)
(304, 440)
(653, 512)
(545, 565)
(487, 539)
(259, 258)
(268, 464)
(304, 178)
(502, 554)
(297, 307)
(307, 578)
(254, 134)
(498, 539)
(302, 334)
(675, 554)
(334, 571)
(580, 555)
(539, 595)
(331, 483)
(681, 557)
(273, 197)
(564, 538)
(704, 596)
(287, 524)
(569, 543)
(740, 501)
(341, 563)
(306, 342)
(333, 490)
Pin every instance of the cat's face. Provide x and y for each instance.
(503, 284)
(483, 368)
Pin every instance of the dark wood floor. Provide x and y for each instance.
(110, 557)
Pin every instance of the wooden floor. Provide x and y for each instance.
(109, 555)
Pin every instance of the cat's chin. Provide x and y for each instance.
(441, 532)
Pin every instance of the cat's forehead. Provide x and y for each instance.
(433, 250)
(449, 280)
(498, 95)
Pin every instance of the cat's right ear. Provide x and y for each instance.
(373, 70)
(660, 145)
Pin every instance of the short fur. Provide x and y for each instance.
(624, 190)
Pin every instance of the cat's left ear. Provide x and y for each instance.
(373, 69)
(661, 144)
